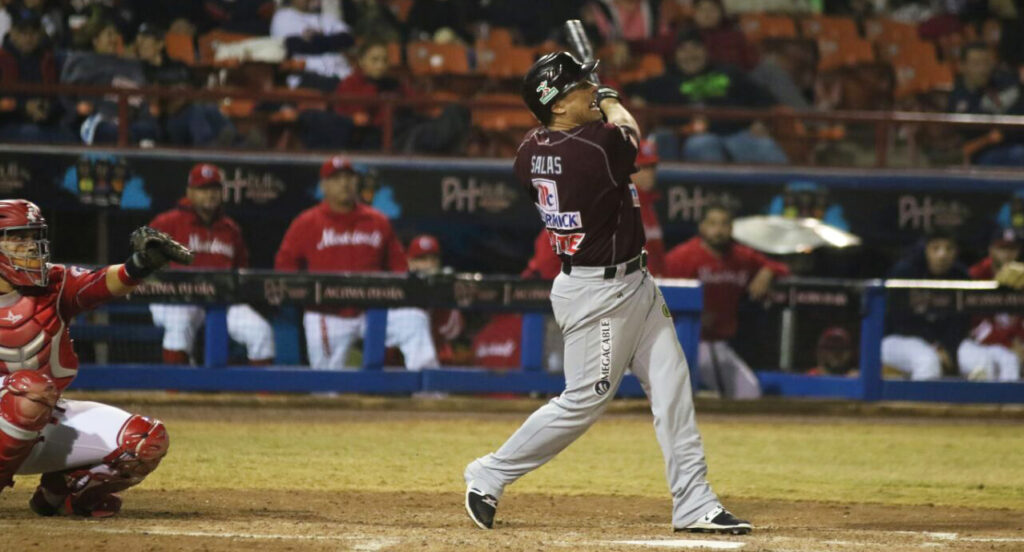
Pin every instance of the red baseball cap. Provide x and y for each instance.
(646, 154)
(205, 174)
(424, 244)
(335, 165)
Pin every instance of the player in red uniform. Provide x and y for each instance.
(216, 241)
(727, 270)
(990, 352)
(343, 235)
(86, 452)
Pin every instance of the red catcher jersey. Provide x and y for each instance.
(580, 182)
(218, 245)
(321, 240)
(1000, 329)
(725, 279)
(34, 322)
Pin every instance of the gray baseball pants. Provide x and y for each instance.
(609, 326)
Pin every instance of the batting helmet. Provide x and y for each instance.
(550, 78)
(24, 248)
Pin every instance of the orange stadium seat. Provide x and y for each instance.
(500, 119)
(649, 65)
(394, 54)
(428, 58)
(914, 77)
(836, 52)
(829, 27)
(499, 38)
(179, 47)
(889, 31)
(757, 26)
(508, 63)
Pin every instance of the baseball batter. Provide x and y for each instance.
(216, 241)
(87, 452)
(611, 313)
(343, 235)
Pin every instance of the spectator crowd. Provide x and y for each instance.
(345, 56)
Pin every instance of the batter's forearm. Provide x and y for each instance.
(616, 114)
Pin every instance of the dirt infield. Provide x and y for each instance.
(306, 520)
(256, 473)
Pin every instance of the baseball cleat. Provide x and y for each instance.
(107, 506)
(481, 507)
(718, 520)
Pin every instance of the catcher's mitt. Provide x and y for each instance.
(153, 249)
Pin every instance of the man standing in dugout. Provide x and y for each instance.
(611, 313)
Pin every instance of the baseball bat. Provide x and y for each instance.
(578, 41)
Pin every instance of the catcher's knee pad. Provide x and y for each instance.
(26, 405)
(141, 444)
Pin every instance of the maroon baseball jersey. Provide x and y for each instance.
(580, 180)
(725, 278)
(1000, 329)
(217, 245)
(34, 322)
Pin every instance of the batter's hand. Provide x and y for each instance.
(604, 93)
(1011, 275)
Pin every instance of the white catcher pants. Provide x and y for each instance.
(181, 324)
(987, 362)
(609, 326)
(329, 337)
(724, 371)
(84, 434)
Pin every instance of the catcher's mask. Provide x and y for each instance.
(24, 247)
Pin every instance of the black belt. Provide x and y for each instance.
(638, 262)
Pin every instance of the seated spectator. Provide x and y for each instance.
(693, 81)
(779, 73)
(725, 42)
(920, 344)
(441, 21)
(48, 13)
(360, 127)
(199, 222)
(106, 65)
(344, 235)
(26, 59)
(186, 123)
(727, 270)
(992, 350)
(317, 40)
(980, 88)
(629, 20)
(371, 18)
(835, 354)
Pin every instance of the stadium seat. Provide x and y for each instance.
(180, 47)
(648, 66)
(757, 26)
(841, 28)
(500, 119)
(838, 52)
(428, 58)
(918, 51)
(509, 63)
(889, 31)
(394, 54)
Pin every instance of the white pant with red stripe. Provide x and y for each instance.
(84, 434)
(181, 324)
(329, 337)
(987, 362)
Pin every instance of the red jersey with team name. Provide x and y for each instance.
(34, 322)
(725, 278)
(581, 185)
(322, 240)
(999, 329)
(217, 245)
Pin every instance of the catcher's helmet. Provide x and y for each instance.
(550, 78)
(24, 248)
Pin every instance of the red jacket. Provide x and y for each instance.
(725, 278)
(358, 84)
(1000, 329)
(218, 245)
(321, 240)
(496, 345)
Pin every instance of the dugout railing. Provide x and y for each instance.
(376, 293)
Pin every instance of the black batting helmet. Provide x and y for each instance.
(550, 78)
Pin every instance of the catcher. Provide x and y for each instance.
(87, 452)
